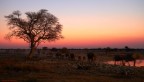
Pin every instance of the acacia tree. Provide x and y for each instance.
(38, 27)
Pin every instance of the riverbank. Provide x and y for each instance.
(55, 70)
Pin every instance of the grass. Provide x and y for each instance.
(17, 69)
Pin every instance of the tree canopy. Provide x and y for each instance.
(38, 27)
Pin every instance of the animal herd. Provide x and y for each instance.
(71, 56)
(91, 57)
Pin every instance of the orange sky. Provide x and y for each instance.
(87, 24)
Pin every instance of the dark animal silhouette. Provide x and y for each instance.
(129, 57)
(58, 55)
(72, 56)
(90, 56)
(79, 58)
(119, 58)
(125, 58)
(67, 55)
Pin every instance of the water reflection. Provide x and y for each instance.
(139, 63)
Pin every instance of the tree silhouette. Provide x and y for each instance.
(38, 27)
(127, 48)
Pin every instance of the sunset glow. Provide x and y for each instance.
(86, 23)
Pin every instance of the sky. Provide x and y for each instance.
(86, 23)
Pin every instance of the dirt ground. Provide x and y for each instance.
(16, 69)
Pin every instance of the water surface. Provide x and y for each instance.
(139, 63)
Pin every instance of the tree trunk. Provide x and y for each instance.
(134, 63)
(30, 55)
(123, 63)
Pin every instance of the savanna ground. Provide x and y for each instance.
(16, 69)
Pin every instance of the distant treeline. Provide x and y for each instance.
(93, 49)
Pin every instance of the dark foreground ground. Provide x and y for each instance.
(16, 69)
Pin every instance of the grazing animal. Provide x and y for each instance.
(72, 56)
(58, 55)
(67, 55)
(129, 57)
(125, 58)
(90, 56)
(119, 58)
(79, 58)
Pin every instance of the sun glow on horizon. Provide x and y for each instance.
(89, 24)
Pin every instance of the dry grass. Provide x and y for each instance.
(17, 69)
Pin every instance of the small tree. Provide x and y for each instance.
(127, 48)
(38, 27)
(64, 50)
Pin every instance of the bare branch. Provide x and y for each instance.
(39, 27)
